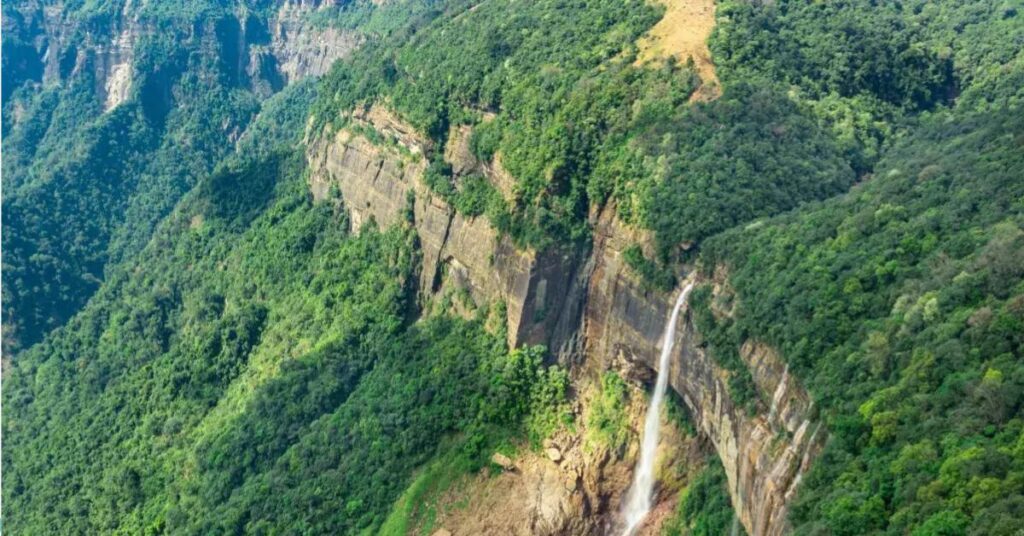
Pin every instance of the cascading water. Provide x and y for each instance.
(638, 500)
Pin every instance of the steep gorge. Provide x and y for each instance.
(589, 307)
(245, 303)
(264, 53)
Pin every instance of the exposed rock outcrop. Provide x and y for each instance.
(264, 54)
(67, 50)
(576, 492)
(592, 310)
(765, 455)
(384, 182)
(303, 49)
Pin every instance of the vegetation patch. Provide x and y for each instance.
(705, 508)
(651, 273)
(683, 33)
(899, 306)
(722, 339)
(607, 418)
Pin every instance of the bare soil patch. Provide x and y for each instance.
(683, 32)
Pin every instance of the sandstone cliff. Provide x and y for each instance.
(572, 485)
(765, 455)
(262, 53)
(590, 309)
(303, 49)
(383, 181)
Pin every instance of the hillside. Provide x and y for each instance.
(404, 266)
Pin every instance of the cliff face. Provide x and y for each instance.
(262, 53)
(303, 49)
(384, 182)
(765, 455)
(55, 47)
(591, 310)
(572, 486)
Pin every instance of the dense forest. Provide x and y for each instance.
(194, 343)
(85, 189)
(263, 333)
(900, 304)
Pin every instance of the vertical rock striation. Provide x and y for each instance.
(261, 52)
(384, 182)
(303, 49)
(591, 310)
(766, 454)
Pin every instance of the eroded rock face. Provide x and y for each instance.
(594, 313)
(66, 50)
(765, 455)
(579, 490)
(302, 49)
(384, 182)
(261, 53)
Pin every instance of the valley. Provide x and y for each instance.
(456, 267)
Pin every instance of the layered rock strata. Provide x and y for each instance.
(264, 53)
(590, 309)
(766, 454)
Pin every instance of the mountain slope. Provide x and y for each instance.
(900, 304)
(247, 303)
(117, 111)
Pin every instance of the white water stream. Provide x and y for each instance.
(638, 499)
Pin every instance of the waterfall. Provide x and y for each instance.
(638, 500)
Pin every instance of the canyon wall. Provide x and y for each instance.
(588, 307)
(383, 182)
(765, 454)
(301, 48)
(263, 53)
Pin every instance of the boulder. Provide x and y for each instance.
(503, 461)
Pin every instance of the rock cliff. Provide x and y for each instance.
(589, 307)
(765, 454)
(383, 182)
(573, 485)
(301, 48)
(263, 53)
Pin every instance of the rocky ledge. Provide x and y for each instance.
(384, 181)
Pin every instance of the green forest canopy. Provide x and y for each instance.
(225, 351)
